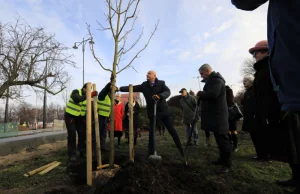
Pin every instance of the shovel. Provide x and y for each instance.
(194, 122)
(154, 159)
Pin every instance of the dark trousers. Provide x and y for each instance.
(135, 134)
(207, 134)
(166, 120)
(75, 124)
(225, 148)
(161, 128)
(253, 136)
(263, 139)
(103, 131)
(292, 134)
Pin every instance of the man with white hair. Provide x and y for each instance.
(214, 113)
(248, 103)
(156, 90)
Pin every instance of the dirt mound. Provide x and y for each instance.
(140, 178)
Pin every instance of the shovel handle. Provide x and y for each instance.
(154, 125)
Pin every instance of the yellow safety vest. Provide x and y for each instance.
(104, 106)
(76, 109)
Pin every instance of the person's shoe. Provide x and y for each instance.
(255, 158)
(235, 149)
(217, 162)
(286, 183)
(72, 159)
(196, 143)
(82, 155)
(207, 142)
(224, 170)
(104, 149)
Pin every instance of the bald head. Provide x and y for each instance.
(151, 75)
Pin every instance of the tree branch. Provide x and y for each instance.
(110, 18)
(102, 28)
(127, 18)
(137, 55)
(93, 51)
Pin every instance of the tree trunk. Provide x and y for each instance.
(112, 95)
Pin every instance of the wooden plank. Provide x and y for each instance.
(50, 168)
(89, 134)
(130, 103)
(98, 147)
(106, 166)
(30, 173)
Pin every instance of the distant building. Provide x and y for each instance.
(136, 95)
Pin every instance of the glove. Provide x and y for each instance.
(94, 93)
(111, 77)
(116, 88)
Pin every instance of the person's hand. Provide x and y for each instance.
(112, 77)
(116, 88)
(94, 93)
(156, 97)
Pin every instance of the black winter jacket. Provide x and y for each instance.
(248, 103)
(214, 110)
(148, 91)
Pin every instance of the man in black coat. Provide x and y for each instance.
(154, 89)
(214, 113)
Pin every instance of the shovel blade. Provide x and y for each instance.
(155, 159)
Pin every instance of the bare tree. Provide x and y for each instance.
(118, 19)
(247, 67)
(239, 97)
(30, 56)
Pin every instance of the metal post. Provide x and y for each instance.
(6, 106)
(198, 82)
(83, 45)
(45, 100)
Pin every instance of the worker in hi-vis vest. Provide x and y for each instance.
(75, 122)
(104, 108)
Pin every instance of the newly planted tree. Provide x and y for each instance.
(121, 22)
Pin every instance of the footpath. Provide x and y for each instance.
(30, 139)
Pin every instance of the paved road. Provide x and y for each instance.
(30, 139)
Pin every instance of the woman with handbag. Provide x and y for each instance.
(233, 117)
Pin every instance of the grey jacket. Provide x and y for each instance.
(188, 105)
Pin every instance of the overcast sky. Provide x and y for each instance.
(190, 33)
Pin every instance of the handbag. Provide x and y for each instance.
(234, 112)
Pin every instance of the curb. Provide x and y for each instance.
(14, 145)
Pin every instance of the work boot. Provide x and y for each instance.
(224, 170)
(217, 162)
(104, 149)
(235, 149)
(207, 142)
(286, 183)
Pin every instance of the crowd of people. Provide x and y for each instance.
(270, 106)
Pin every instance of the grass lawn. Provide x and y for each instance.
(248, 176)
